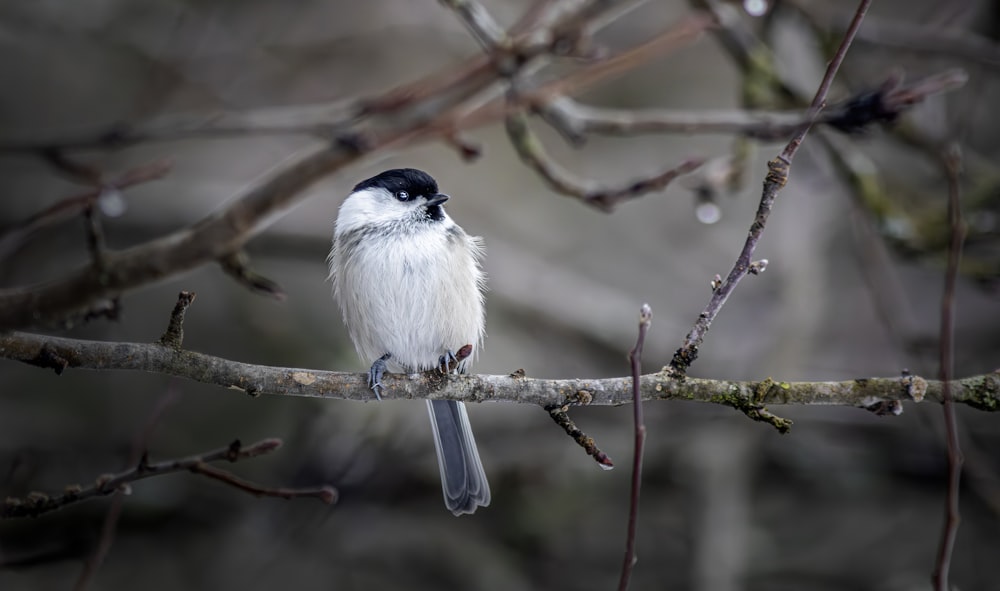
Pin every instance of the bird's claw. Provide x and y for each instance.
(375, 375)
(445, 361)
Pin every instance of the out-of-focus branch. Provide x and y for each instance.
(949, 531)
(237, 266)
(529, 148)
(324, 120)
(981, 392)
(935, 39)
(526, 97)
(38, 503)
(424, 111)
(480, 23)
(583, 119)
(110, 523)
(12, 237)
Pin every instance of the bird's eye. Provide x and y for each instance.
(402, 195)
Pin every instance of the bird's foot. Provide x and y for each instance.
(447, 362)
(375, 375)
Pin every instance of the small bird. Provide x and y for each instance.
(410, 288)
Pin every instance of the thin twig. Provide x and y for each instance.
(12, 237)
(574, 119)
(949, 531)
(681, 33)
(480, 23)
(327, 494)
(777, 176)
(930, 36)
(110, 523)
(560, 415)
(581, 119)
(819, 100)
(227, 229)
(981, 392)
(529, 148)
(72, 169)
(95, 237)
(467, 149)
(173, 337)
(37, 503)
(237, 266)
(635, 360)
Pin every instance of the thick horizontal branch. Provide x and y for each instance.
(981, 392)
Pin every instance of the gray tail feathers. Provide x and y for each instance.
(463, 480)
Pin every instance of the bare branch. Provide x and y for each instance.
(559, 414)
(110, 523)
(237, 266)
(681, 34)
(635, 360)
(889, 101)
(777, 176)
(468, 150)
(38, 503)
(575, 120)
(949, 531)
(95, 237)
(325, 493)
(819, 100)
(925, 38)
(531, 152)
(173, 337)
(15, 235)
(325, 120)
(585, 119)
(480, 23)
(981, 392)
(420, 112)
(217, 235)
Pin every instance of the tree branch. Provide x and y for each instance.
(213, 237)
(529, 149)
(38, 503)
(110, 523)
(635, 361)
(14, 235)
(416, 113)
(480, 23)
(981, 392)
(560, 415)
(777, 176)
(952, 517)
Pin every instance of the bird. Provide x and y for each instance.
(410, 287)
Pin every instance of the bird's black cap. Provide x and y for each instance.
(413, 181)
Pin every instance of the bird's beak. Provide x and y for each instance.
(436, 199)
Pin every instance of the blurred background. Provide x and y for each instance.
(848, 500)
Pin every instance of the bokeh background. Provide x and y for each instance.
(848, 500)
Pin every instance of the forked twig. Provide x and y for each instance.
(37, 503)
(777, 176)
